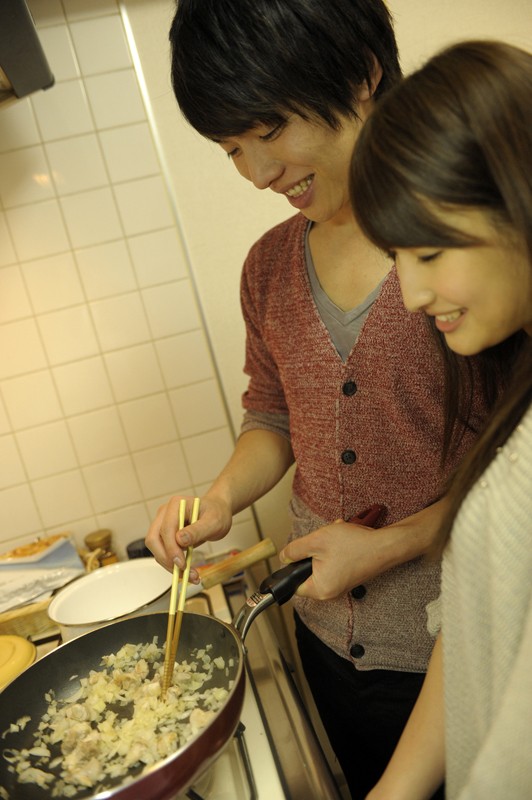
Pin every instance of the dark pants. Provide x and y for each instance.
(363, 713)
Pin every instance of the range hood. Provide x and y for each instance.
(23, 65)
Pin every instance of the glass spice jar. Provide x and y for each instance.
(101, 540)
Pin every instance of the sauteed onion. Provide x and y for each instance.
(115, 726)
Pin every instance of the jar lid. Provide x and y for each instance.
(100, 538)
(16, 653)
(138, 549)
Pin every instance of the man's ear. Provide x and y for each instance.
(366, 92)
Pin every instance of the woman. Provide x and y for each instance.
(284, 87)
(442, 174)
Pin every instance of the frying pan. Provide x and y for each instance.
(25, 695)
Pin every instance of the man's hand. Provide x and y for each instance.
(346, 554)
(168, 543)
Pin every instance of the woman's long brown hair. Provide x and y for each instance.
(457, 134)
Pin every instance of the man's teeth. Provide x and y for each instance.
(449, 317)
(299, 188)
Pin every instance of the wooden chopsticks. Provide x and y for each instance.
(175, 617)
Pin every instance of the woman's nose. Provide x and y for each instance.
(415, 289)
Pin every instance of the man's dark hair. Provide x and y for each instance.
(237, 64)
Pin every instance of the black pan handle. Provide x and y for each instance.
(283, 583)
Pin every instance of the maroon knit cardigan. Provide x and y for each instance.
(365, 431)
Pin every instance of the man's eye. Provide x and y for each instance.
(267, 137)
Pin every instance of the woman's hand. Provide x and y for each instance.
(168, 544)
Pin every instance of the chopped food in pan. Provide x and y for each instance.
(116, 726)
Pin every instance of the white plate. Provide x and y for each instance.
(111, 592)
(35, 557)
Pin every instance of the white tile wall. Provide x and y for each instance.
(14, 302)
(109, 400)
(53, 282)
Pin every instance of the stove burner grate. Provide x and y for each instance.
(201, 792)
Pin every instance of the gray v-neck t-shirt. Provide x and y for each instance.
(344, 326)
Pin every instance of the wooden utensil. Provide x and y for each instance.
(175, 618)
(224, 570)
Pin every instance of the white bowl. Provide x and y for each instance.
(110, 593)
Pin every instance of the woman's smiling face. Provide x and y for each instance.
(307, 161)
(478, 295)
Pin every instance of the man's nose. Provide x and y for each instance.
(261, 169)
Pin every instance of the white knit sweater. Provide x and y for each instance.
(487, 632)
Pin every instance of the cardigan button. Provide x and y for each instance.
(358, 592)
(357, 650)
(349, 456)
(349, 388)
